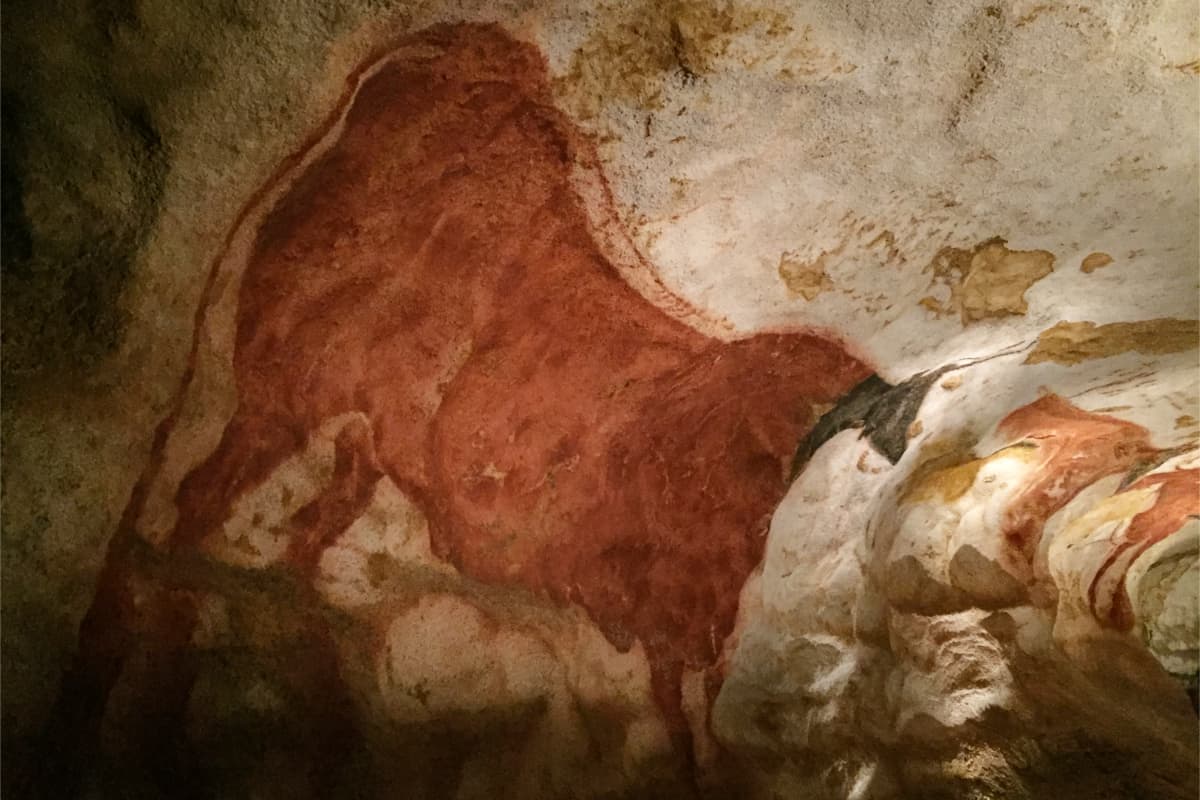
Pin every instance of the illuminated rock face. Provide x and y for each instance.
(425, 300)
(550, 427)
(999, 600)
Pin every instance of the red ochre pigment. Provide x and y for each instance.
(434, 270)
(1178, 498)
(1079, 448)
(1076, 448)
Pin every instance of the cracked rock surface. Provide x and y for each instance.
(545, 400)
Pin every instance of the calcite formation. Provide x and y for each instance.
(641, 400)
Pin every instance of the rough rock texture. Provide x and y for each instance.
(631, 400)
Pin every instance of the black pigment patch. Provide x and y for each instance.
(882, 410)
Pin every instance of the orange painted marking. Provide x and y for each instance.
(1077, 449)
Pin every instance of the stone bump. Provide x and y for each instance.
(613, 400)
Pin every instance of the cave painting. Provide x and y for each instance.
(433, 275)
(1076, 448)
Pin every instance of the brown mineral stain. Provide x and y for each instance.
(1075, 448)
(987, 281)
(945, 485)
(1095, 261)
(931, 303)
(1073, 342)
(1185, 421)
(941, 479)
(806, 279)
(434, 274)
(937, 456)
(1032, 14)
(1178, 498)
(631, 59)
(886, 241)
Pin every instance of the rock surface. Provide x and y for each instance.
(639, 400)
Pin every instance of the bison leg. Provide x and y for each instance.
(251, 448)
(318, 524)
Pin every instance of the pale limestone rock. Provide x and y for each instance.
(892, 615)
(844, 167)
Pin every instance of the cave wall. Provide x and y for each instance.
(634, 400)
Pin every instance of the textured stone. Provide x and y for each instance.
(626, 400)
(1072, 342)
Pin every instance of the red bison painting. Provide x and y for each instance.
(436, 273)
